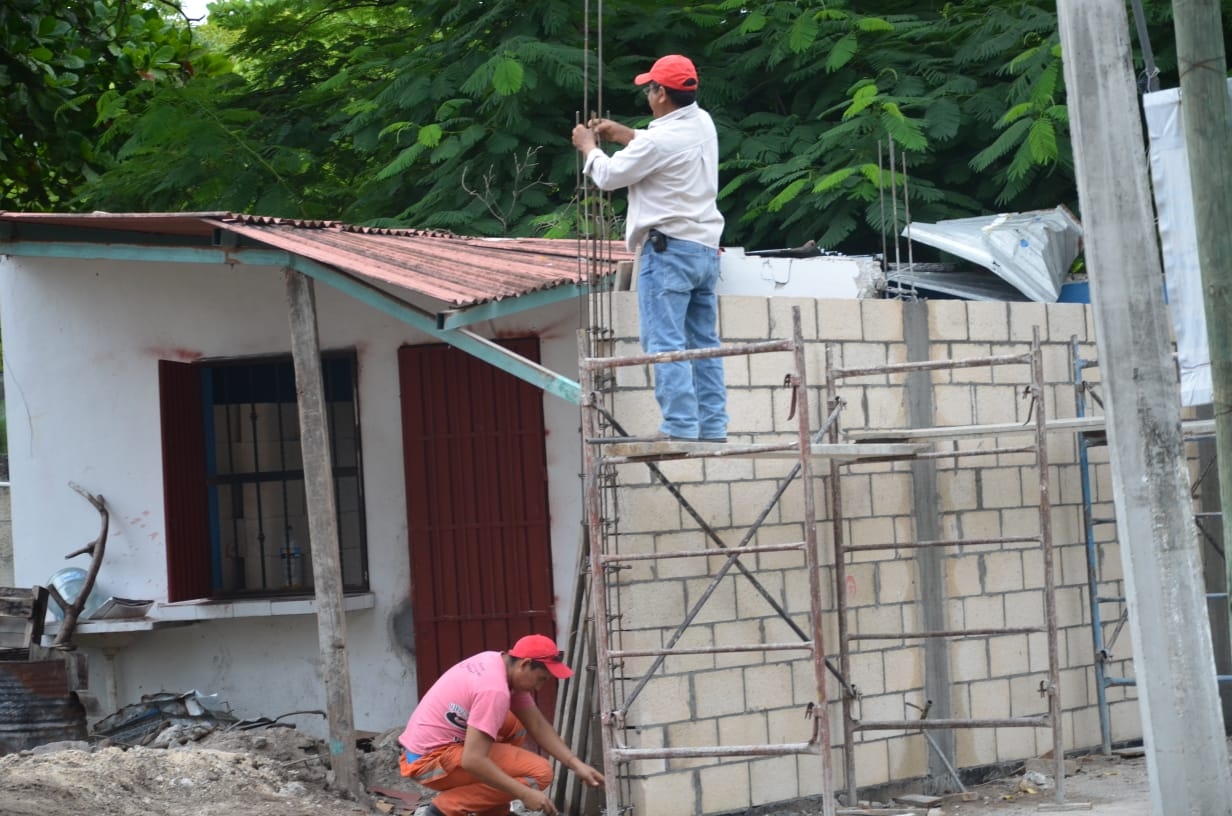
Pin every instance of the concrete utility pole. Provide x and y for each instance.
(1187, 758)
(1207, 119)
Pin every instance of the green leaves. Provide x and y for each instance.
(443, 113)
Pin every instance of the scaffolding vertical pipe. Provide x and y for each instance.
(598, 590)
(1088, 525)
(812, 564)
(840, 590)
(1050, 585)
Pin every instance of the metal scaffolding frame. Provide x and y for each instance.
(1086, 402)
(852, 722)
(605, 448)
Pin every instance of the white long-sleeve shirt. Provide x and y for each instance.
(672, 172)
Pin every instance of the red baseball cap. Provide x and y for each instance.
(673, 71)
(543, 649)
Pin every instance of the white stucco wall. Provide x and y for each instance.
(82, 341)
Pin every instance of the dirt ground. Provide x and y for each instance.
(280, 772)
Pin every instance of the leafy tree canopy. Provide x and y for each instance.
(456, 115)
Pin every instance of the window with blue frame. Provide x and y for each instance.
(237, 517)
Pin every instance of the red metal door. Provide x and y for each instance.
(477, 506)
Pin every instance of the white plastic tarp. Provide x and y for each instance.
(1179, 241)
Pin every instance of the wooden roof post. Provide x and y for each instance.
(323, 531)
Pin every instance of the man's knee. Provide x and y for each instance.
(539, 773)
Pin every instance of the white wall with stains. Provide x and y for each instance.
(82, 341)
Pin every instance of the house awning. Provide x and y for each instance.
(455, 270)
(436, 281)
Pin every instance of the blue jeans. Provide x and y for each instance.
(679, 310)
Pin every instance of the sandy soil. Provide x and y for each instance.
(280, 772)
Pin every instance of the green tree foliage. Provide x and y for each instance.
(61, 59)
(456, 115)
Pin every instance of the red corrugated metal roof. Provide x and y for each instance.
(458, 270)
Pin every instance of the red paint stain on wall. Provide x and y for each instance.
(172, 353)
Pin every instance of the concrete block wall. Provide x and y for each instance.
(760, 697)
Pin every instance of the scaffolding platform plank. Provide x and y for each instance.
(1195, 427)
(676, 448)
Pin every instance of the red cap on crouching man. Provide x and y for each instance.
(543, 649)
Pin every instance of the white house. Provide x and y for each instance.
(148, 361)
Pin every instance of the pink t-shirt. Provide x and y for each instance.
(475, 693)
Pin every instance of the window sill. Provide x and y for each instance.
(255, 608)
(168, 615)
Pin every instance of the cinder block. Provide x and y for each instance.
(667, 793)
(1025, 698)
(1058, 368)
(1017, 743)
(964, 575)
(625, 320)
(646, 737)
(724, 787)
(692, 734)
(969, 375)
(868, 672)
(860, 586)
(1066, 320)
(882, 320)
(683, 472)
(1008, 655)
(969, 660)
(947, 320)
(750, 600)
(857, 491)
(768, 370)
(839, 320)
(744, 319)
(990, 699)
(773, 780)
(744, 729)
(996, 404)
(747, 410)
(861, 356)
(981, 524)
(886, 407)
(875, 530)
(1002, 571)
(719, 693)
(988, 321)
(896, 582)
(878, 620)
(1125, 718)
(683, 541)
(648, 510)
(956, 489)
(1024, 521)
(1033, 568)
(1001, 487)
(1024, 317)
(720, 602)
(650, 603)
(984, 612)
(908, 756)
(780, 318)
(975, 746)
(666, 699)
(892, 495)
(872, 760)
(904, 668)
(952, 405)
